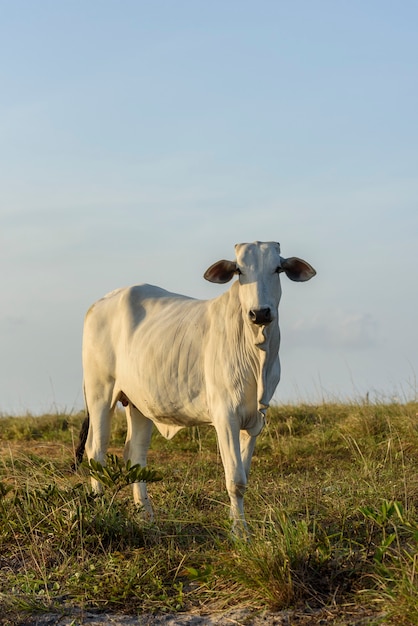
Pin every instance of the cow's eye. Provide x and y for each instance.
(279, 269)
(238, 271)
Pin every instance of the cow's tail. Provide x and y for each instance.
(82, 437)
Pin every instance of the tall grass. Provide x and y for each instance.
(332, 506)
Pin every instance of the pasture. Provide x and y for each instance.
(332, 505)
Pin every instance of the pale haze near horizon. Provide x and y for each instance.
(140, 141)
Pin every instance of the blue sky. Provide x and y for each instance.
(139, 141)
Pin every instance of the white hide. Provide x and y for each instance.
(182, 362)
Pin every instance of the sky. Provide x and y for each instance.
(141, 140)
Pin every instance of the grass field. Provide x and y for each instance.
(332, 505)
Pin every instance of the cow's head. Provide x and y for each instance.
(259, 266)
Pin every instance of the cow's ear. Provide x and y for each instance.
(297, 269)
(221, 272)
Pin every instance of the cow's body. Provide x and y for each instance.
(178, 362)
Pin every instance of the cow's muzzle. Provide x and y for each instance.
(261, 317)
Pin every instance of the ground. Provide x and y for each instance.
(241, 617)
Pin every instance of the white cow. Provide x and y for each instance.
(175, 361)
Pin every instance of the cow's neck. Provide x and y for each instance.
(269, 371)
(256, 348)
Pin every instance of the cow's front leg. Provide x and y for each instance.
(138, 439)
(228, 433)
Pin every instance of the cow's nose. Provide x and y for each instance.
(260, 316)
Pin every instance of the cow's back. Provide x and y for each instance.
(116, 320)
(151, 342)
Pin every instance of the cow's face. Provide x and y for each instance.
(259, 266)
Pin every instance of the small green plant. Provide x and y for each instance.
(201, 575)
(117, 474)
(384, 517)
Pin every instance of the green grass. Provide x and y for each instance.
(332, 505)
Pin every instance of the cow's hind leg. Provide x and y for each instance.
(138, 439)
(247, 445)
(100, 414)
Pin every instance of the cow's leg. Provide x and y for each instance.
(247, 445)
(228, 433)
(138, 439)
(100, 413)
